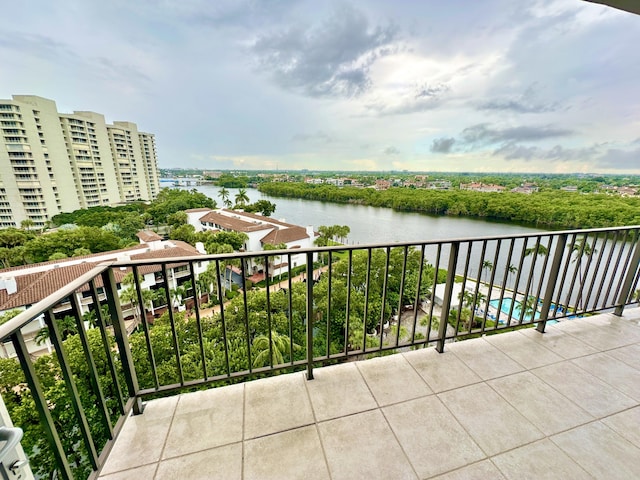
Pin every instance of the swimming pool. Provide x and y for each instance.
(505, 307)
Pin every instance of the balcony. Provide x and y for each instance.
(493, 357)
(563, 404)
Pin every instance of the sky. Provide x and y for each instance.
(458, 86)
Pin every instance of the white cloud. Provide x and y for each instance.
(546, 86)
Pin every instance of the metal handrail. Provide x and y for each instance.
(603, 284)
(23, 318)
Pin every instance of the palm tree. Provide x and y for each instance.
(280, 345)
(269, 246)
(27, 224)
(540, 251)
(580, 249)
(487, 266)
(241, 197)
(178, 294)
(224, 195)
(67, 326)
(129, 294)
(512, 270)
(530, 307)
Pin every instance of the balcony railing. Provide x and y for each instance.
(346, 301)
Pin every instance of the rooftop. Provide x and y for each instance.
(563, 404)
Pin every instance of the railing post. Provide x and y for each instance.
(628, 279)
(120, 332)
(309, 315)
(551, 282)
(41, 406)
(448, 292)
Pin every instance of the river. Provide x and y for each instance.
(374, 224)
(385, 225)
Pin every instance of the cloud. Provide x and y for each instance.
(443, 145)
(422, 97)
(391, 151)
(328, 60)
(318, 137)
(506, 141)
(619, 159)
(484, 134)
(527, 102)
(61, 55)
(625, 157)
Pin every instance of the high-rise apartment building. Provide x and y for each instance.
(52, 162)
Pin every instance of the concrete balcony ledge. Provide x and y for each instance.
(564, 404)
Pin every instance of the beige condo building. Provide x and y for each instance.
(53, 162)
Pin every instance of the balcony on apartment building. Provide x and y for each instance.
(494, 357)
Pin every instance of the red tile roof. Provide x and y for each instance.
(33, 287)
(148, 236)
(233, 223)
(285, 235)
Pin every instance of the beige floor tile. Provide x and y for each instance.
(142, 437)
(543, 406)
(539, 461)
(222, 463)
(392, 379)
(522, 349)
(276, 404)
(296, 454)
(603, 332)
(559, 342)
(484, 470)
(588, 392)
(494, 424)
(629, 355)
(441, 371)
(214, 417)
(337, 391)
(363, 446)
(612, 371)
(431, 437)
(600, 451)
(627, 424)
(484, 359)
(148, 471)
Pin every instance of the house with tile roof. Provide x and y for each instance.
(25, 285)
(260, 231)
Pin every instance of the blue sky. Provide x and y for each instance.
(540, 86)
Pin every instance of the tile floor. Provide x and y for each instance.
(565, 404)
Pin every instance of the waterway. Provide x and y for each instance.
(375, 224)
(385, 225)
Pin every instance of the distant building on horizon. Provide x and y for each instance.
(53, 162)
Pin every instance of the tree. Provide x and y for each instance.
(280, 346)
(512, 270)
(530, 307)
(580, 249)
(241, 197)
(27, 224)
(177, 219)
(265, 207)
(269, 246)
(186, 233)
(539, 251)
(224, 195)
(67, 326)
(487, 266)
(129, 296)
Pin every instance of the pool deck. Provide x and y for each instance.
(560, 405)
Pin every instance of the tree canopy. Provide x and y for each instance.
(552, 209)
